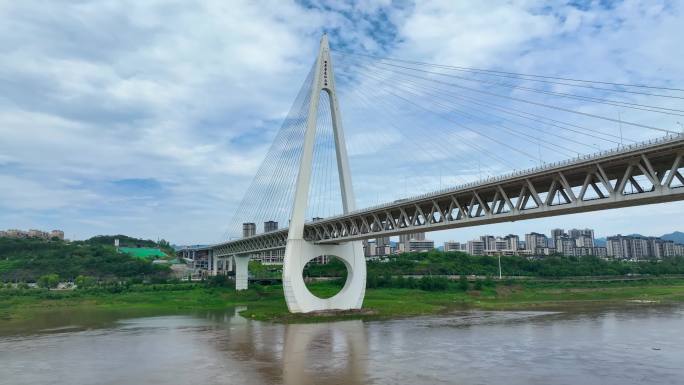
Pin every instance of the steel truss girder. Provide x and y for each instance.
(534, 194)
(510, 198)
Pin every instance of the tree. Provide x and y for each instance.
(48, 281)
(84, 282)
(463, 283)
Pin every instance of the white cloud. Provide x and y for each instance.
(190, 94)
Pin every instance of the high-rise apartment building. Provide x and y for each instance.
(452, 246)
(248, 229)
(555, 233)
(565, 245)
(476, 247)
(382, 246)
(489, 242)
(582, 237)
(534, 241)
(270, 226)
(631, 247)
(512, 242)
(403, 238)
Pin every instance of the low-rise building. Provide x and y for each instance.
(32, 233)
(452, 246)
(415, 245)
(15, 233)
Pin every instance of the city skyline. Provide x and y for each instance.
(439, 237)
(577, 242)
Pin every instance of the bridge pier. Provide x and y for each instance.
(227, 264)
(214, 263)
(298, 297)
(241, 272)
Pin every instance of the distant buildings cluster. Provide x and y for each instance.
(271, 257)
(576, 242)
(249, 229)
(33, 233)
(413, 242)
(637, 247)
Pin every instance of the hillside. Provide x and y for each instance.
(124, 240)
(28, 259)
(676, 237)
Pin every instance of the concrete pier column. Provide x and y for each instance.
(214, 263)
(241, 272)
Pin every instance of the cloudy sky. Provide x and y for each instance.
(151, 118)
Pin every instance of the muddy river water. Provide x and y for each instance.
(634, 344)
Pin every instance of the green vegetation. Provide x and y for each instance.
(26, 260)
(84, 282)
(267, 302)
(456, 263)
(406, 285)
(124, 240)
(48, 281)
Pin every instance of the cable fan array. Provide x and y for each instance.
(438, 125)
(414, 127)
(271, 193)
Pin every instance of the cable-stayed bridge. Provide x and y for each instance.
(455, 120)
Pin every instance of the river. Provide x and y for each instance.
(634, 344)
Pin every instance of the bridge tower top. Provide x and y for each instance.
(323, 81)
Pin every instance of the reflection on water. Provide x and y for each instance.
(628, 345)
(299, 354)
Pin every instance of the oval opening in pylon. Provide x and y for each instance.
(325, 276)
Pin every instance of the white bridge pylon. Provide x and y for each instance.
(298, 251)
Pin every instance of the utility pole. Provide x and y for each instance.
(499, 266)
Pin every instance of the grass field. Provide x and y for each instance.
(267, 303)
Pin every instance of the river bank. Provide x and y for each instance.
(266, 303)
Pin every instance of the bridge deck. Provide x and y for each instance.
(638, 174)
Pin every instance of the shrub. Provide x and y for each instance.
(463, 283)
(478, 285)
(220, 281)
(429, 283)
(48, 281)
(84, 282)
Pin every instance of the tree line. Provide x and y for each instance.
(27, 260)
(437, 262)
